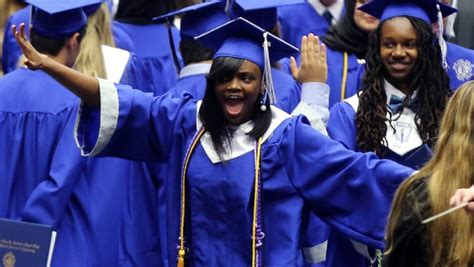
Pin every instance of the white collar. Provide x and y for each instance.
(392, 90)
(241, 143)
(406, 137)
(335, 9)
(195, 69)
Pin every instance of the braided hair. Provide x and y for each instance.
(428, 77)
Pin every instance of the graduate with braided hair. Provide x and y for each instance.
(404, 90)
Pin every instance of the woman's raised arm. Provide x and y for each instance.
(85, 87)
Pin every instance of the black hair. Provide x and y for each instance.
(428, 77)
(346, 36)
(193, 51)
(142, 12)
(212, 114)
(51, 46)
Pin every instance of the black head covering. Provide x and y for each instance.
(142, 11)
(346, 36)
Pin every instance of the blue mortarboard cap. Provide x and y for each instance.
(261, 12)
(199, 18)
(58, 19)
(243, 39)
(426, 10)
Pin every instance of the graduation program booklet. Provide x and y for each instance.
(25, 244)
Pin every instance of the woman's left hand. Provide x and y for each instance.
(464, 195)
(313, 66)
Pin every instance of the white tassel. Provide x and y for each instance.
(228, 4)
(441, 41)
(267, 72)
(449, 31)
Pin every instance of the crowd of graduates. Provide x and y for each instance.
(240, 132)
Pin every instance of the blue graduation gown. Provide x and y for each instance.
(121, 39)
(293, 27)
(153, 49)
(341, 127)
(287, 90)
(461, 63)
(302, 171)
(45, 179)
(192, 80)
(355, 70)
(39, 168)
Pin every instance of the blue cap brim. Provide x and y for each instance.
(261, 12)
(57, 6)
(261, 4)
(243, 39)
(198, 18)
(58, 19)
(195, 7)
(423, 9)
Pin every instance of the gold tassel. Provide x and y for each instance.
(181, 254)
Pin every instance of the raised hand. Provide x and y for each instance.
(313, 61)
(85, 87)
(34, 59)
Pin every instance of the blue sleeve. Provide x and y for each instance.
(341, 125)
(350, 191)
(132, 124)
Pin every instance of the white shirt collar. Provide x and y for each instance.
(241, 143)
(335, 9)
(406, 136)
(195, 69)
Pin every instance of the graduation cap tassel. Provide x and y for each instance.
(441, 41)
(181, 258)
(267, 71)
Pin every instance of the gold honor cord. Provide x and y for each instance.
(182, 249)
(255, 202)
(194, 142)
(344, 76)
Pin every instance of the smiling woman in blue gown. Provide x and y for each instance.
(404, 93)
(242, 176)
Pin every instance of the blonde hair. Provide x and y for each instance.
(90, 60)
(451, 167)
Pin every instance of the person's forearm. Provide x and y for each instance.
(84, 86)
